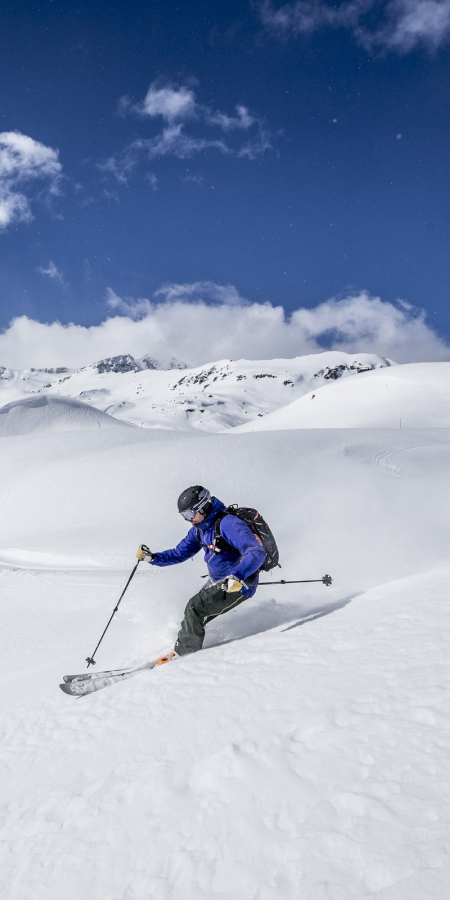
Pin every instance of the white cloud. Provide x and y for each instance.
(205, 291)
(255, 147)
(179, 322)
(14, 207)
(306, 16)
(173, 141)
(411, 23)
(23, 161)
(177, 104)
(243, 135)
(170, 103)
(152, 180)
(119, 167)
(128, 306)
(52, 272)
(398, 25)
(243, 119)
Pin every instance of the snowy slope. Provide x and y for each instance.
(210, 398)
(309, 761)
(414, 395)
(48, 413)
(307, 756)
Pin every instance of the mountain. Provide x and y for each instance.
(414, 395)
(127, 363)
(214, 397)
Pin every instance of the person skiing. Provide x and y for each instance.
(233, 567)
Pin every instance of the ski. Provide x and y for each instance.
(108, 673)
(84, 684)
(83, 688)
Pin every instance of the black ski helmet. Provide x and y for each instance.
(194, 499)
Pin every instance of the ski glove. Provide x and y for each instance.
(144, 553)
(232, 585)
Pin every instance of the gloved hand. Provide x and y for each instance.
(232, 585)
(144, 553)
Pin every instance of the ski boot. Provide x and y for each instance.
(168, 657)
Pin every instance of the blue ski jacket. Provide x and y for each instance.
(242, 559)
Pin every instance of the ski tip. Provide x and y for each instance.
(66, 689)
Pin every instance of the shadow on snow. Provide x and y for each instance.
(250, 619)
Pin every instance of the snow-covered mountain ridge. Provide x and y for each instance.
(412, 395)
(212, 397)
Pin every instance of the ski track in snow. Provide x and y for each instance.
(400, 455)
(307, 755)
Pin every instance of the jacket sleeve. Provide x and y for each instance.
(241, 537)
(189, 546)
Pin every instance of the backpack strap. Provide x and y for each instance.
(220, 543)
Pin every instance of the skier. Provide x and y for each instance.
(233, 567)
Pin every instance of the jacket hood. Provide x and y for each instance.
(217, 507)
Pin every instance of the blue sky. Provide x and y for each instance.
(163, 150)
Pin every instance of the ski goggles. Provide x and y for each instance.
(189, 514)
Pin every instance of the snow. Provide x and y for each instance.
(304, 752)
(414, 395)
(47, 413)
(207, 398)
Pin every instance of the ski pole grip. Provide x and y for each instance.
(143, 551)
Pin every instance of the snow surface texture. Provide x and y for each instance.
(414, 395)
(307, 755)
(214, 397)
(47, 413)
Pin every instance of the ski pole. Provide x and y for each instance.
(326, 579)
(90, 659)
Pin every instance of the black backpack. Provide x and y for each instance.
(260, 529)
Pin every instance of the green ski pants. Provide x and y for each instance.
(210, 602)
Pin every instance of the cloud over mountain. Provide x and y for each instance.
(189, 326)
